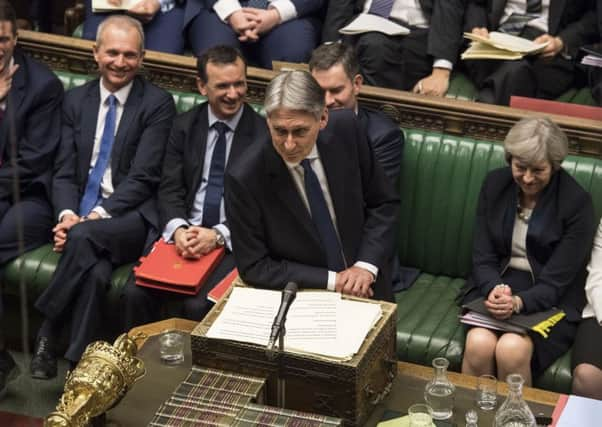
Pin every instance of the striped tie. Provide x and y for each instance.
(381, 7)
(518, 21)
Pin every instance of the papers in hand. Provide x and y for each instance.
(500, 46)
(105, 6)
(365, 23)
(320, 322)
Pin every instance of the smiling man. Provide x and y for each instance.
(107, 172)
(204, 142)
(312, 205)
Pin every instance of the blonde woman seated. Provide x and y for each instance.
(533, 232)
(587, 352)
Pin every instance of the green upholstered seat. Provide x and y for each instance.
(439, 186)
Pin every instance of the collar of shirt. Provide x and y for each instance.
(121, 94)
(313, 154)
(232, 122)
(10, 64)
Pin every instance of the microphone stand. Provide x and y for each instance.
(281, 383)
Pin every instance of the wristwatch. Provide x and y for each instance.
(220, 241)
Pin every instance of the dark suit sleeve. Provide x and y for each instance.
(580, 32)
(445, 33)
(41, 135)
(172, 189)
(65, 190)
(145, 171)
(475, 15)
(338, 14)
(568, 259)
(254, 261)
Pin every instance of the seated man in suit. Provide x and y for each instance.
(336, 69)
(311, 206)
(107, 172)
(203, 143)
(265, 30)
(30, 105)
(162, 20)
(562, 24)
(420, 61)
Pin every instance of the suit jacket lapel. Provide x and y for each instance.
(497, 11)
(130, 110)
(198, 144)
(557, 8)
(89, 115)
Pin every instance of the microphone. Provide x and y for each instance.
(288, 296)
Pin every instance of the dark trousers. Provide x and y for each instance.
(162, 33)
(394, 62)
(532, 76)
(142, 305)
(35, 212)
(292, 41)
(78, 288)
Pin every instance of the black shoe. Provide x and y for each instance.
(8, 370)
(43, 363)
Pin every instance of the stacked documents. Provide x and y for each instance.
(500, 46)
(318, 322)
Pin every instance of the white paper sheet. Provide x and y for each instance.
(580, 411)
(365, 22)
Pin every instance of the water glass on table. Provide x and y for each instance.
(486, 392)
(421, 415)
(171, 347)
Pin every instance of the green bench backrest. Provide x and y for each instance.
(439, 187)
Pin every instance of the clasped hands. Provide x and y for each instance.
(553, 48)
(67, 221)
(250, 23)
(500, 302)
(355, 281)
(144, 10)
(194, 241)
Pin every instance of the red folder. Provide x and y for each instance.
(555, 107)
(222, 287)
(164, 269)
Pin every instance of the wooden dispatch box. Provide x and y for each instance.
(345, 389)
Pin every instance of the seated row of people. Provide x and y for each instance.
(421, 61)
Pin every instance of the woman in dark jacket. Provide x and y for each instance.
(534, 230)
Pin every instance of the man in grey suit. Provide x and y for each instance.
(420, 61)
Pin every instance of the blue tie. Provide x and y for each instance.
(92, 194)
(321, 218)
(381, 7)
(215, 185)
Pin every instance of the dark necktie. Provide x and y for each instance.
(257, 4)
(321, 218)
(381, 7)
(92, 193)
(516, 22)
(215, 184)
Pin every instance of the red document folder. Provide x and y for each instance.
(222, 287)
(164, 269)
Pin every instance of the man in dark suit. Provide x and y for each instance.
(265, 30)
(108, 170)
(30, 99)
(162, 20)
(564, 25)
(336, 69)
(312, 205)
(197, 155)
(420, 61)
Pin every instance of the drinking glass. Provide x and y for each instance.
(421, 415)
(171, 347)
(486, 392)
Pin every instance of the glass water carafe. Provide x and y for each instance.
(514, 412)
(439, 392)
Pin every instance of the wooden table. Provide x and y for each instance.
(138, 407)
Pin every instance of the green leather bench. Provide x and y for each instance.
(439, 185)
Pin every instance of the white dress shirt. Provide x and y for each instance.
(298, 175)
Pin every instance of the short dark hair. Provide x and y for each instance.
(331, 54)
(220, 54)
(7, 13)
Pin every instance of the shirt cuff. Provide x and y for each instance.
(102, 212)
(167, 5)
(171, 228)
(332, 280)
(225, 8)
(224, 231)
(367, 266)
(285, 8)
(443, 63)
(65, 212)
